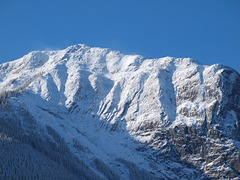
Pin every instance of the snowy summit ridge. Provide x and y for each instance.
(114, 112)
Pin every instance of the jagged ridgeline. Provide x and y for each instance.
(93, 113)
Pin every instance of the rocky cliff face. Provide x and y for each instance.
(169, 117)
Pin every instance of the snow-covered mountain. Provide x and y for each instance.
(93, 113)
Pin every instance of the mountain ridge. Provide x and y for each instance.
(114, 106)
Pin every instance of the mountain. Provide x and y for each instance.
(93, 113)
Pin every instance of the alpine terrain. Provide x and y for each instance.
(93, 113)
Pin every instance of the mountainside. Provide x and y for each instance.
(92, 113)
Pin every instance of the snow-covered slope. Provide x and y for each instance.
(120, 115)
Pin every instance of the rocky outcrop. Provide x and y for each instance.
(210, 145)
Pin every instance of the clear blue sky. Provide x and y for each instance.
(207, 30)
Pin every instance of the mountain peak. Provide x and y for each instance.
(77, 46)
(117, 105)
